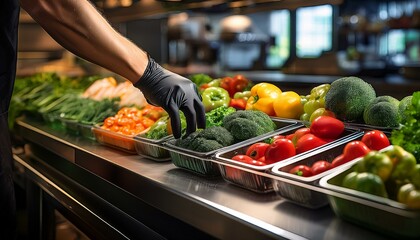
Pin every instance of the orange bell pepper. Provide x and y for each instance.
(262, 98)
(288, 105)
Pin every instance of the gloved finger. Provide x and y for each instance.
(189, 113)
(173, 113)
(200, 114)
(198, 93)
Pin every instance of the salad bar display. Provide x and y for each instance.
(340, 145)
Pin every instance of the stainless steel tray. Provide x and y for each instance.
(152, 148)
(201, 163)
(247, 175)
(301, 195)
(377, 213)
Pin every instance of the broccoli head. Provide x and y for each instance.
(348, 97)
(207, 140)
(246, 124)
(382, 114)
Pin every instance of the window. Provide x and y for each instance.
(313, 30)
(280, 30)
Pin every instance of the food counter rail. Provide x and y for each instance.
(109, 194)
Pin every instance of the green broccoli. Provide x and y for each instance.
(215, 116)
(348, 97)
(381, 114)
(246, 124)
(160, 128)
(405, 103)
(207, 140)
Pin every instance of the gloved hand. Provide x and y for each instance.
(173, 92)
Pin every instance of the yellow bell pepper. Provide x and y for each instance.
(288, 105)
(262, 98)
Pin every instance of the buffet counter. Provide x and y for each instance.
(109, 194)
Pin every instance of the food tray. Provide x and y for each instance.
(366, 127)
(377, 213)
(71, 126)
(201, 163)
(305, 196)
(151, 148)
(247, 176)
(85, 130)
(115, 140)
(53, 121)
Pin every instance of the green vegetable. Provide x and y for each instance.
(382, 112)
(408, 136)
(376, 163)
(403, 106)
(215, 116)
(409, 195)
(365, 182)
(200, 79)
(246, 124)
(242, 95)
(160, 128)
(214, 97)
(348, 97)
(207, 140)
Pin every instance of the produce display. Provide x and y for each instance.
(384, 157)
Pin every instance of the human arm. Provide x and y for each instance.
(81, 29)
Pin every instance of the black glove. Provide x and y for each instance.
(173, 92)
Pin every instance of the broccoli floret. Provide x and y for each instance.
(246, 124)
(405, 103)
(215, 117)
(207, 140)
(348, 97)
(382, 114)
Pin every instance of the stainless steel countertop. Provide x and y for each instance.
(214, 206)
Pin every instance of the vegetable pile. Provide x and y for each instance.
(324, 129)
(234, 127)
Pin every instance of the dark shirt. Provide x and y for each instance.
(9, 16)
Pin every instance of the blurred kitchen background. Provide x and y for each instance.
(286, 40)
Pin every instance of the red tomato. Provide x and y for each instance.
(248, 160)
(301, 170)
(290, 136)
(279, 150)
(299, 133)
(339, 160)
(375, 140)
(354, 150)
(308, 142)
(327, 127)
(257, 150)
(320, 166)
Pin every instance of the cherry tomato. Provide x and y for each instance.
(279, 150)
(327, 127)
(248, 160)
(301, 170)
(320, 166)
(307, 142)
(299, 133)
(375, 140)
(257, 150)
(339, 160)
(290, 136)
(354, 150)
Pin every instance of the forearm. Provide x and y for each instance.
(81, 29)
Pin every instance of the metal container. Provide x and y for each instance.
(305, 196)
(377, 213)
(115, 140)
(152, 148)
(85, 130)
(201, 163)
(248, 176)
